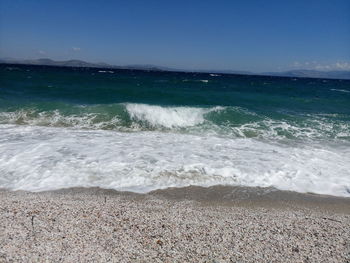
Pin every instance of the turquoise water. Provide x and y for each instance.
(290, 133)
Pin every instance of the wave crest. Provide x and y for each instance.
(168, 117)
(233, 122)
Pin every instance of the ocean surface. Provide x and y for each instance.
(139, 131)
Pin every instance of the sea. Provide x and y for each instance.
(139, 130)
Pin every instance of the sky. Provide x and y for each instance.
(257, 36)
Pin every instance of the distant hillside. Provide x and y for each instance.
(80, 63)
(311, 74)
(50, 62)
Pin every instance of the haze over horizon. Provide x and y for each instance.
(192, 36)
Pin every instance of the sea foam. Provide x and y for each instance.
(43, 158)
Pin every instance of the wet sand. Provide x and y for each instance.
(192, 224)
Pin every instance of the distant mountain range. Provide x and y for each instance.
(50, 62)
(302, 73)
(336, 74)
(79, 63)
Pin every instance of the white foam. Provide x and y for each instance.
(55, 118)
(43, 158)
(169, 117)
(196, 80)
(106, 71)
(341, 90)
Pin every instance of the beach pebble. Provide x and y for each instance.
(81, 227)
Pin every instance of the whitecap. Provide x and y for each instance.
(341, 90)
(168, 117)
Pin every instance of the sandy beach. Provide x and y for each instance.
(193, 224)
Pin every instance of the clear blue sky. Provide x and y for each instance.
(240, 35)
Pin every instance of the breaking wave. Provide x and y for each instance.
(222, 121)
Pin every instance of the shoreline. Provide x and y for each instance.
(190, 224)
(218, 195)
